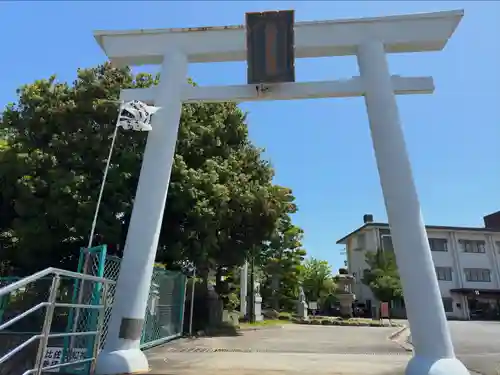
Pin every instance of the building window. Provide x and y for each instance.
(470, 246)
(438, 244)
(361, 239)
(444, 273)
(448, 304)
(387, 243)
(478, 274)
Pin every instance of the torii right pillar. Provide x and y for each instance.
(434, 354)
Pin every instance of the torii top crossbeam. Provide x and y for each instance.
(402, 33)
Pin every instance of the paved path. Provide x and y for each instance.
(293, 349)
(477, 345)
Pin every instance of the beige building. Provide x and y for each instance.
(467, 263)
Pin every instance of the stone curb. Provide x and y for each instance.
(243, 329)
(405, 344)
(342, 324)
(402, 341)
(260, 328)
(397, 333)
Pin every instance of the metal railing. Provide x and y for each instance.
(50, 305)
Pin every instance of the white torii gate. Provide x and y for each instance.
(367, 38)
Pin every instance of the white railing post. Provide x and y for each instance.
(47, 323)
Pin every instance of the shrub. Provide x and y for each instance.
(271, 314)
(320, 317)
(284, 316)
(335, 321)
(231, 302)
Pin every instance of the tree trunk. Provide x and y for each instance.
(252, 291)
(275, 284)
(218, 280)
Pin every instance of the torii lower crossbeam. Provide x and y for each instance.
(352, 87)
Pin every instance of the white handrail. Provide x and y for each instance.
(51, 304)
(18, 348)
(8, 323)
(46, 272)
(59, 365)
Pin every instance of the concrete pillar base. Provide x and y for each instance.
(122, 362)
(420, 365)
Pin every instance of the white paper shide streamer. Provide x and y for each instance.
(134, 115)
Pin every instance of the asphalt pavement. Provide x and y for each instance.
(328, 350)
(477, 345)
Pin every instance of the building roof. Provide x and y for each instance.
(436, 227)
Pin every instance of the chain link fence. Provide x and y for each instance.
(165, 308)
(111, 272)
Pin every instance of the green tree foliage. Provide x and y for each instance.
(382, 276)
(56, 138)
(317, 280)
(280, 262)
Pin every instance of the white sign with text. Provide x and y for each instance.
(53, 356)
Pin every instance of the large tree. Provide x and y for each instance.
(221, 200)
(317, 280)
(382, 275)
(280, 261)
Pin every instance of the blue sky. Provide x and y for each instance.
(319, 148)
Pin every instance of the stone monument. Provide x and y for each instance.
(257, 299)
(344, 294)
(302, 305)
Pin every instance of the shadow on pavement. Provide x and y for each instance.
(221, 331)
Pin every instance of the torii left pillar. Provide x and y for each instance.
(122, 353)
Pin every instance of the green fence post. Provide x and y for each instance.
(71, 317)
(91, 317)
(184, 281)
